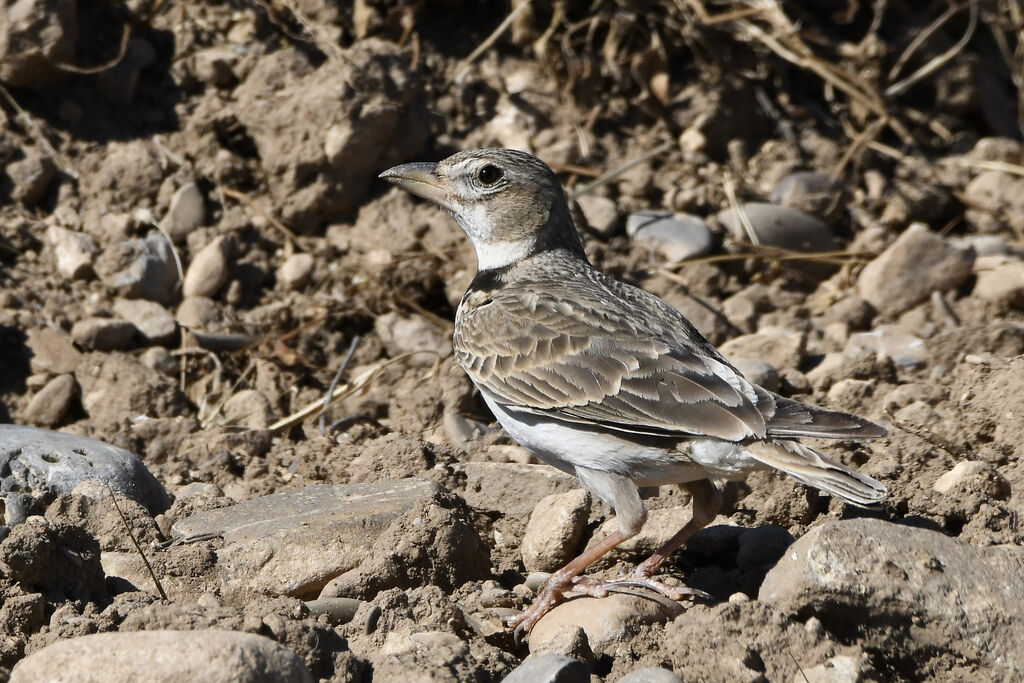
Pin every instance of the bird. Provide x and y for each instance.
(604, 380)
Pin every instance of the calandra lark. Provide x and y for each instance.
(602, 379)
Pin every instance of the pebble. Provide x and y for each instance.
(295, 272)
(976, 475)
(52, 351)
(511, 489)
(999, 279)
(154, 322)
(838, 669)
(570, 642)
(198, 313)
(918, 263)
(650, 674)
(140, 269)
(906, 350)
(549, 668)
(778, 347)
(103, 334)
(813, 192)
(185, 212)
(32, 47)
(608, 621)
(983, 245)
(407, 334)
(890, 573)
(555, 530)
(49, 406)
(675, 236)
(988, 195)
(30, 177)
(760, 373)
(48, 463)
(780, 226)
(601, 214)
(249, 408)
(160, 359)
(337, 610)
(74, 252)
(209, 269)
(164, 656)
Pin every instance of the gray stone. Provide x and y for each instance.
(30, 177)
(52, 351)
(813, 192)
(781, 227)
(154, 322)
(295, 542)
(897, 580)
(209, 269)
(555, 530)
(988, 195)
(549, 668)
(675, 236)
(74, 252)
(198, 313)
(410, 334)
(46, 464)
(164, 657)
(337, 610)
(905, 349)
(103, 334)
(185, 212)
(295, 272)
(140, 269)
(601, 214)
(1000, 280)
(918, 263)
(650, 674)
(248, 408)
(48, 407)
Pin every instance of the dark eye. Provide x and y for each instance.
(490, 174)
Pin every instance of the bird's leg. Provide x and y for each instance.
(561, 582)
(706, 502)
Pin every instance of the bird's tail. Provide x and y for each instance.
(810, 467)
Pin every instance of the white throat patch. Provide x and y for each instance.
(499, 253)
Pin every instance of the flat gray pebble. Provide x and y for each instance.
(548, 668)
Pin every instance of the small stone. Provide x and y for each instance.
(983, 245)
(153, 321)
(337, 610)
(778, 347)
(988, 195)
(997, 149)
(780, 226)
(48, 407)
(37, 36)
(549, 668)
(161, 360)
(103, 334)
(555, 530)
(74, 252)
(570, 642)
(52, 351)
(208, 271)
(918, 263)
(1000, 279)
(607, 621)
(650, 674)
(511, 488)
(401, 334)
(977, 475)
(140, 269)
(903, 348)
(809, 191)
(249, 408)
(30, 177)
(601, 214)
(295, 272)
(760, 373)
(198, 313)
(185, 212)
(158, 655)
(676, 236)
(838, 669)
(48, 463)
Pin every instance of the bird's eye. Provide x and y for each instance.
(490, 174)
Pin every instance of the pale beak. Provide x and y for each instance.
(418, 178)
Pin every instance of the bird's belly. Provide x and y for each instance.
(649, 461)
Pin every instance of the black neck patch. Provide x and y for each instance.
(489, 280)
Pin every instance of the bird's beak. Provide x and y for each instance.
(420, 179)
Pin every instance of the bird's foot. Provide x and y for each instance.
(551, 594)
(599, 588)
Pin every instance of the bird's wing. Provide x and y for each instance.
(611, 355)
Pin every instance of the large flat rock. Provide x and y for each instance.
(870, 575)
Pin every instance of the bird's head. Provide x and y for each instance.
(509, 202)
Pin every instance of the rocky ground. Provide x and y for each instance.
(195, 251)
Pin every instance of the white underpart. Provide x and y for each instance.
(568, 447)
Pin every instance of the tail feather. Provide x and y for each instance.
(794, 418)
(810, 467)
